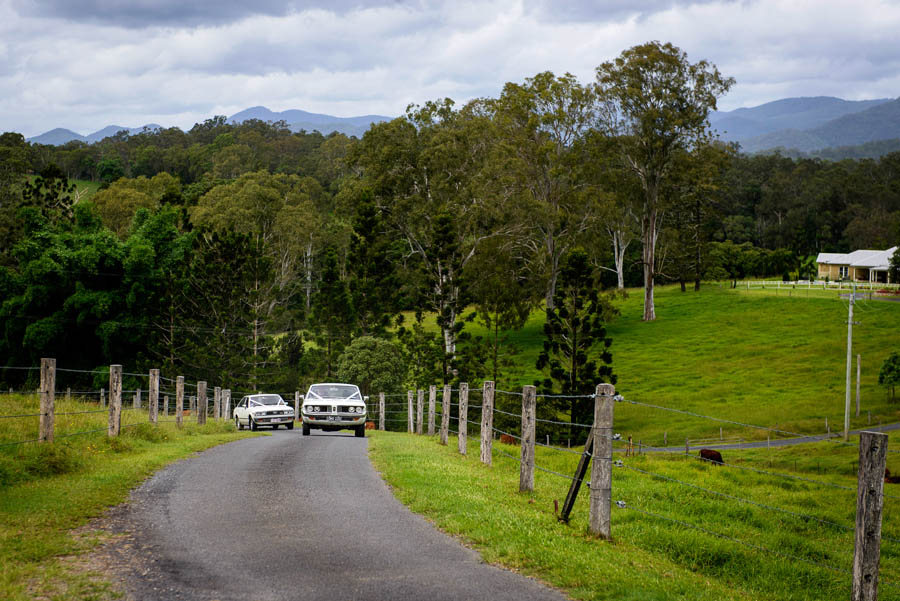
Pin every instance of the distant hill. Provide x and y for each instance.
(60, 136)
(297, 120)
(879, 122)
(302, 120)
(806, 125)
(788, 113)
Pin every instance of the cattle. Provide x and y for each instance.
(889, 479)
(711, 455)
(370, 425)
(507, 439)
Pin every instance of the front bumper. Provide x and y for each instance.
(274, 419)
(344, 421)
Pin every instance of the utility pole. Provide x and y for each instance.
(849, 363)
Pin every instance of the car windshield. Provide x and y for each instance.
(334, 391)
(266, 399)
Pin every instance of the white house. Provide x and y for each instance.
(858, 266)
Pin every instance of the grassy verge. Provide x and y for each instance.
(47, 490)
(792, 524)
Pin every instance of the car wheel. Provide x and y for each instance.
(237, 424)
(274, 426)
(289, 425)
(361, 431)
(252, 424)
(305, 429)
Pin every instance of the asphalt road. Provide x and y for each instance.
(290, 517)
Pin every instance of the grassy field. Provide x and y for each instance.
(47, 490)
(759, 357)
(769, 545)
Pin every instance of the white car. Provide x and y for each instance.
(332, 407)
(257, 410)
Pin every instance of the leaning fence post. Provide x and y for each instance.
(202, 403)
(601, 466)
(526, 468)
(410, 423)
(420, 410)
(487, 422)
(462, 440)
(154, 396)
(115, 400)
(869, 505)
(445, 415)
(381, 411)
(179, 401)
(432, 399)
(48, 399)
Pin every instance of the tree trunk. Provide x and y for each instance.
(649, 235)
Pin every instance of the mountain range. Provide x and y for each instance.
(794, 125)
(296, 120)
(809, 124)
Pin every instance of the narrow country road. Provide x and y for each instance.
(287, 517)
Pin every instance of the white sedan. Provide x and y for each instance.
(257, 410)
(331, 407)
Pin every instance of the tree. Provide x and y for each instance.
(423, 354)
(423, 172)
(373, 364)
(656, 103)
(540, 126)
(889, 375)
(574, 331)
(52, 193)
(502, 295)
(332, 313)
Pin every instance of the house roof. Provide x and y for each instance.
(878, 260)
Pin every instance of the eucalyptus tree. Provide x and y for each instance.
(424, 171)
(655, 103)
(540, 124)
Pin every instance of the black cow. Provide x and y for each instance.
(711, 455)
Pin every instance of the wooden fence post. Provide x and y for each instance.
(601, 466)
(445, 415)
(202, 403)
(869, 505)
(154, 396)
(410, 423)
(69, 393)
(226, 403)
(179, 401)
(432, 399)
(115, 400)
(217, 402)
(297, 405)
(103, 397)
(487, 422)
(166, 405)
(137, 399)
(381, 411)
(48, 399)
(462, 441)
(420, 410)
(526, 467)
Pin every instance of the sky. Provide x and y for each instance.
(86, 64)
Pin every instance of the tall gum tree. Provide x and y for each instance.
(424, 171)
(540, 124)
(655, 103)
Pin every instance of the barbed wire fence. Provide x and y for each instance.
(491, 414)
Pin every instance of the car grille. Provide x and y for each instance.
(274, 413)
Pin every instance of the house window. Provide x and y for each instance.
(845, 271)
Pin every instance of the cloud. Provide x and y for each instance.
(82, 64)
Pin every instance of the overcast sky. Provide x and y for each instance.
(85, 64)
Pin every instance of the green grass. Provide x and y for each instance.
(49, 489)
(759, 357)
(652, 557)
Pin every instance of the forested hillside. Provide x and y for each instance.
(251, 255)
